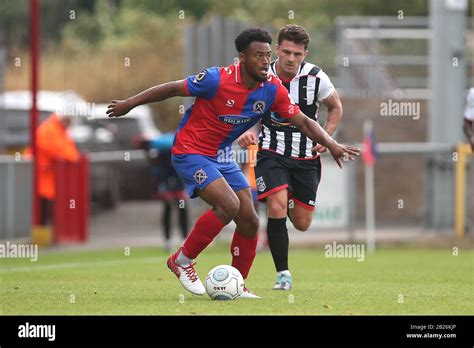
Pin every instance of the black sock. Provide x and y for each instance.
(183, 221)
(278, 242)
(167, 221)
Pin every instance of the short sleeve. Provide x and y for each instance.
(469, 111)
(283, 105)
(204, 84)
(326, 88)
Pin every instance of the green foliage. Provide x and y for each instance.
(191, 8)
(96, 20)
(119, 28)
(14, 20)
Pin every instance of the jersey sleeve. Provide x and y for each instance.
(326, 88)
(204, 84)
(283, 104)
(469, 112)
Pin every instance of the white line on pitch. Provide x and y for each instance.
(125, 260)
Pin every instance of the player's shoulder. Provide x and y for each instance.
(207, 77)
(212, 72)
(273, 80)
(311, 69)
(225, 72)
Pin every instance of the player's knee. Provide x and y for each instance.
(276, 208)
(248, 225)
(229, 209)
(253, 223)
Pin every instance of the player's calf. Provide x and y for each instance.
(302, 224)
(300, 217)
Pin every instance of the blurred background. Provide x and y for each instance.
(402, 69)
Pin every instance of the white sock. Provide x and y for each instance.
(183, 259)
(285, 272)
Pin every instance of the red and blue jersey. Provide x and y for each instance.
(224, 109)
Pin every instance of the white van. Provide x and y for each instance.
(15, 120)
(136, 180)
(138, 123)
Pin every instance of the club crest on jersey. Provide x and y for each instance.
(260, 184)
(234, 119)
(199, 77)
(259, 107)
(200, 176)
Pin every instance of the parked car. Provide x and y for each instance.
(89, 137)
(136, 181)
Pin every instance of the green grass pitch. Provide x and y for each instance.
(391, 281)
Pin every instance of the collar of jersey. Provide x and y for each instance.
(273, 70)
(238, 79)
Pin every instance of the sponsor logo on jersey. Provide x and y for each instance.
(234, 119)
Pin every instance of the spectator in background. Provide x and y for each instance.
(168, 187)
(52, 143)
(469, 118)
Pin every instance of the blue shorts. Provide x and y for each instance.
(198, 171)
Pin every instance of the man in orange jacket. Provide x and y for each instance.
(53, 143)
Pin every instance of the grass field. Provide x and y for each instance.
(392, 281)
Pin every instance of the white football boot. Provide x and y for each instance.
(186, 274)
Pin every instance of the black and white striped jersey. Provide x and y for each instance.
(310, 86)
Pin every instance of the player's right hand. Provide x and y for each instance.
(246, 139)
(118, 108)
(343, 152)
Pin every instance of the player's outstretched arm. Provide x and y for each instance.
(154, 94)
(316, 133)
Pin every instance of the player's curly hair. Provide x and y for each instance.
(294, 33)
(247, 36)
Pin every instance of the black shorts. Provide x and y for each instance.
(275, 172)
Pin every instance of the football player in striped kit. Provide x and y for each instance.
(288, 167)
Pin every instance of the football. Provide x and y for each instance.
(224, 282)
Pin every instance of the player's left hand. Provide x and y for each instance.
(319, 148)
(118, 108)
(342, 152)
(246, 139)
